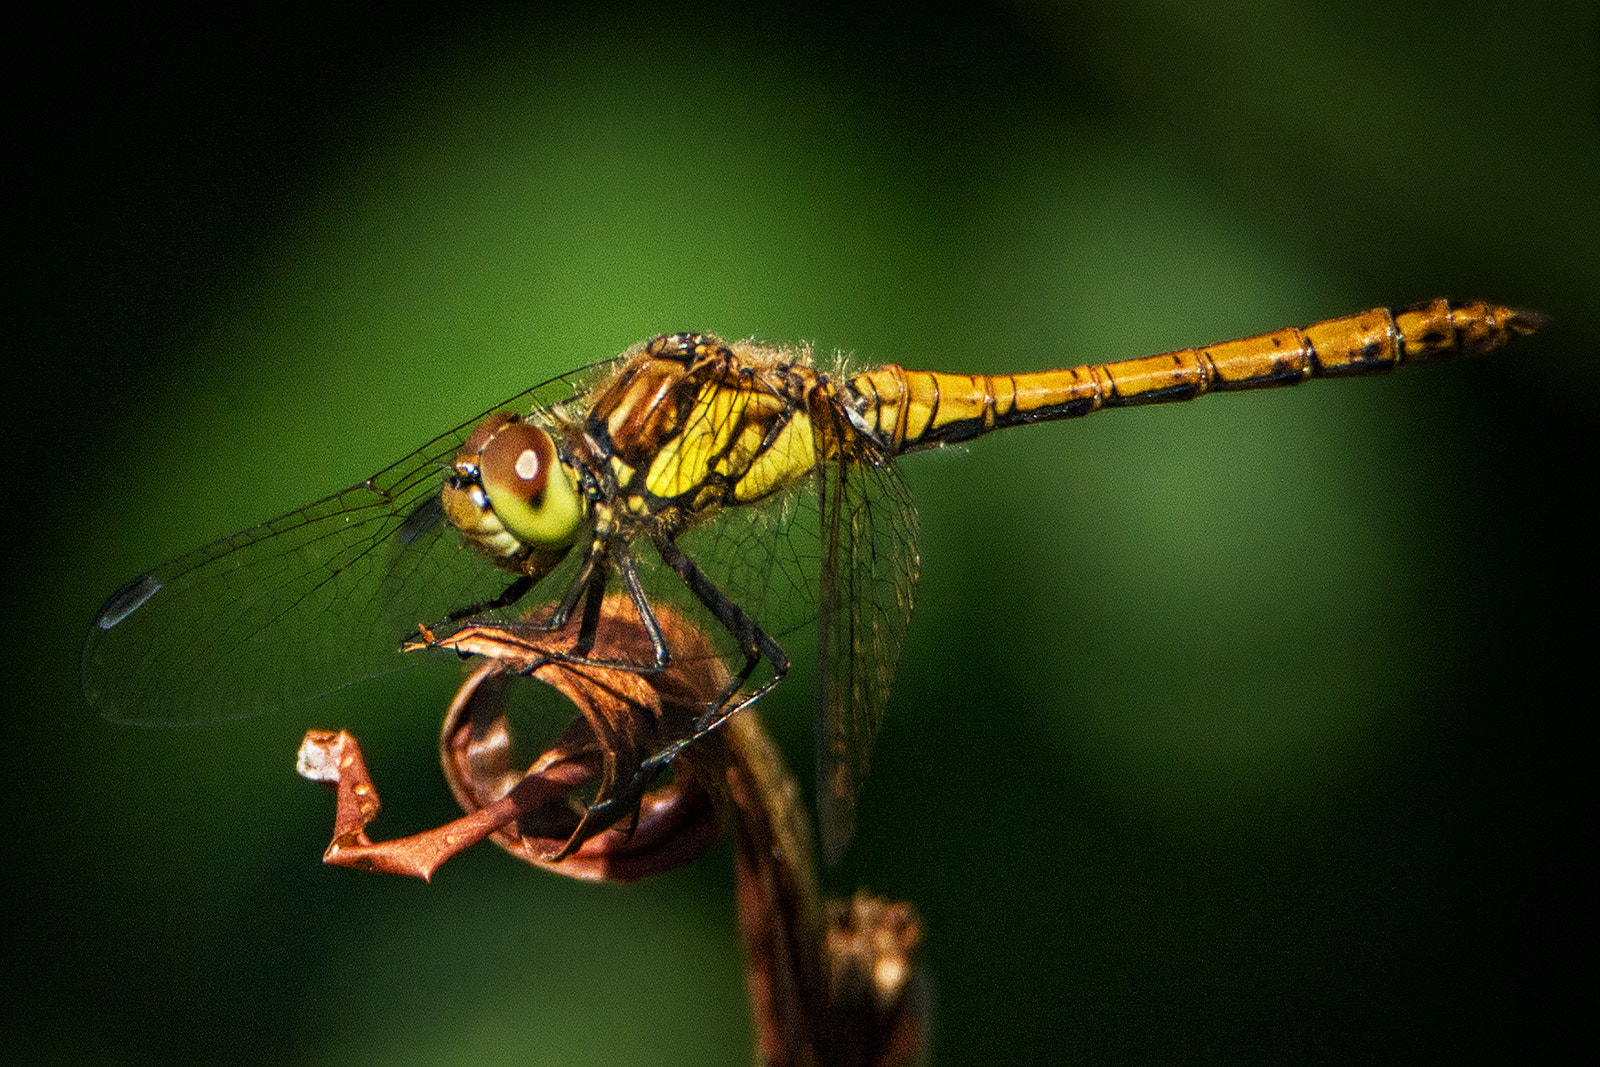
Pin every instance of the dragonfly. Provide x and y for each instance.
(741, 479)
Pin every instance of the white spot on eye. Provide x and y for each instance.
(480, 499)
(527, 466)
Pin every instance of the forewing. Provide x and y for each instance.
(302, 604)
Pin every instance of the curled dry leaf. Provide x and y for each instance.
(834, 984)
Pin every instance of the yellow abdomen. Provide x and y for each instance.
(908, 410)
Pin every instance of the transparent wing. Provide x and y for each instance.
(869, 568)
(302, 604)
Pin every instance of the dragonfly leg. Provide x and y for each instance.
(512, 593)
(518, 589)
(647, 616)
(579, 586)
(587, 587)
(753, 642)
(623, 801)
(592, 584)
(594, 594)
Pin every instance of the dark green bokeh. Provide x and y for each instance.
(1250, 730)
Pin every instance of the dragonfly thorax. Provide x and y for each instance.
(694, 424)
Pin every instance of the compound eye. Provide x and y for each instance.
(529, 487)
(516, 459)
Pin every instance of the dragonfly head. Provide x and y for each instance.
(513, 496)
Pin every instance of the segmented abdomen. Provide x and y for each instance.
(906, 410)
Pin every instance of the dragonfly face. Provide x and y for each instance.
(682, 448)
(513, 497)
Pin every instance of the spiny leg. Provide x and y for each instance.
(593, 594)
(518, 589)
(587, 587)
(661, 655)
(591, 588)
(619, 800)
(510, 595)
(753, 642)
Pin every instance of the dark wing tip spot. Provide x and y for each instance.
(125, 601)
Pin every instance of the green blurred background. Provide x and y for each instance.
(1257, 729)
